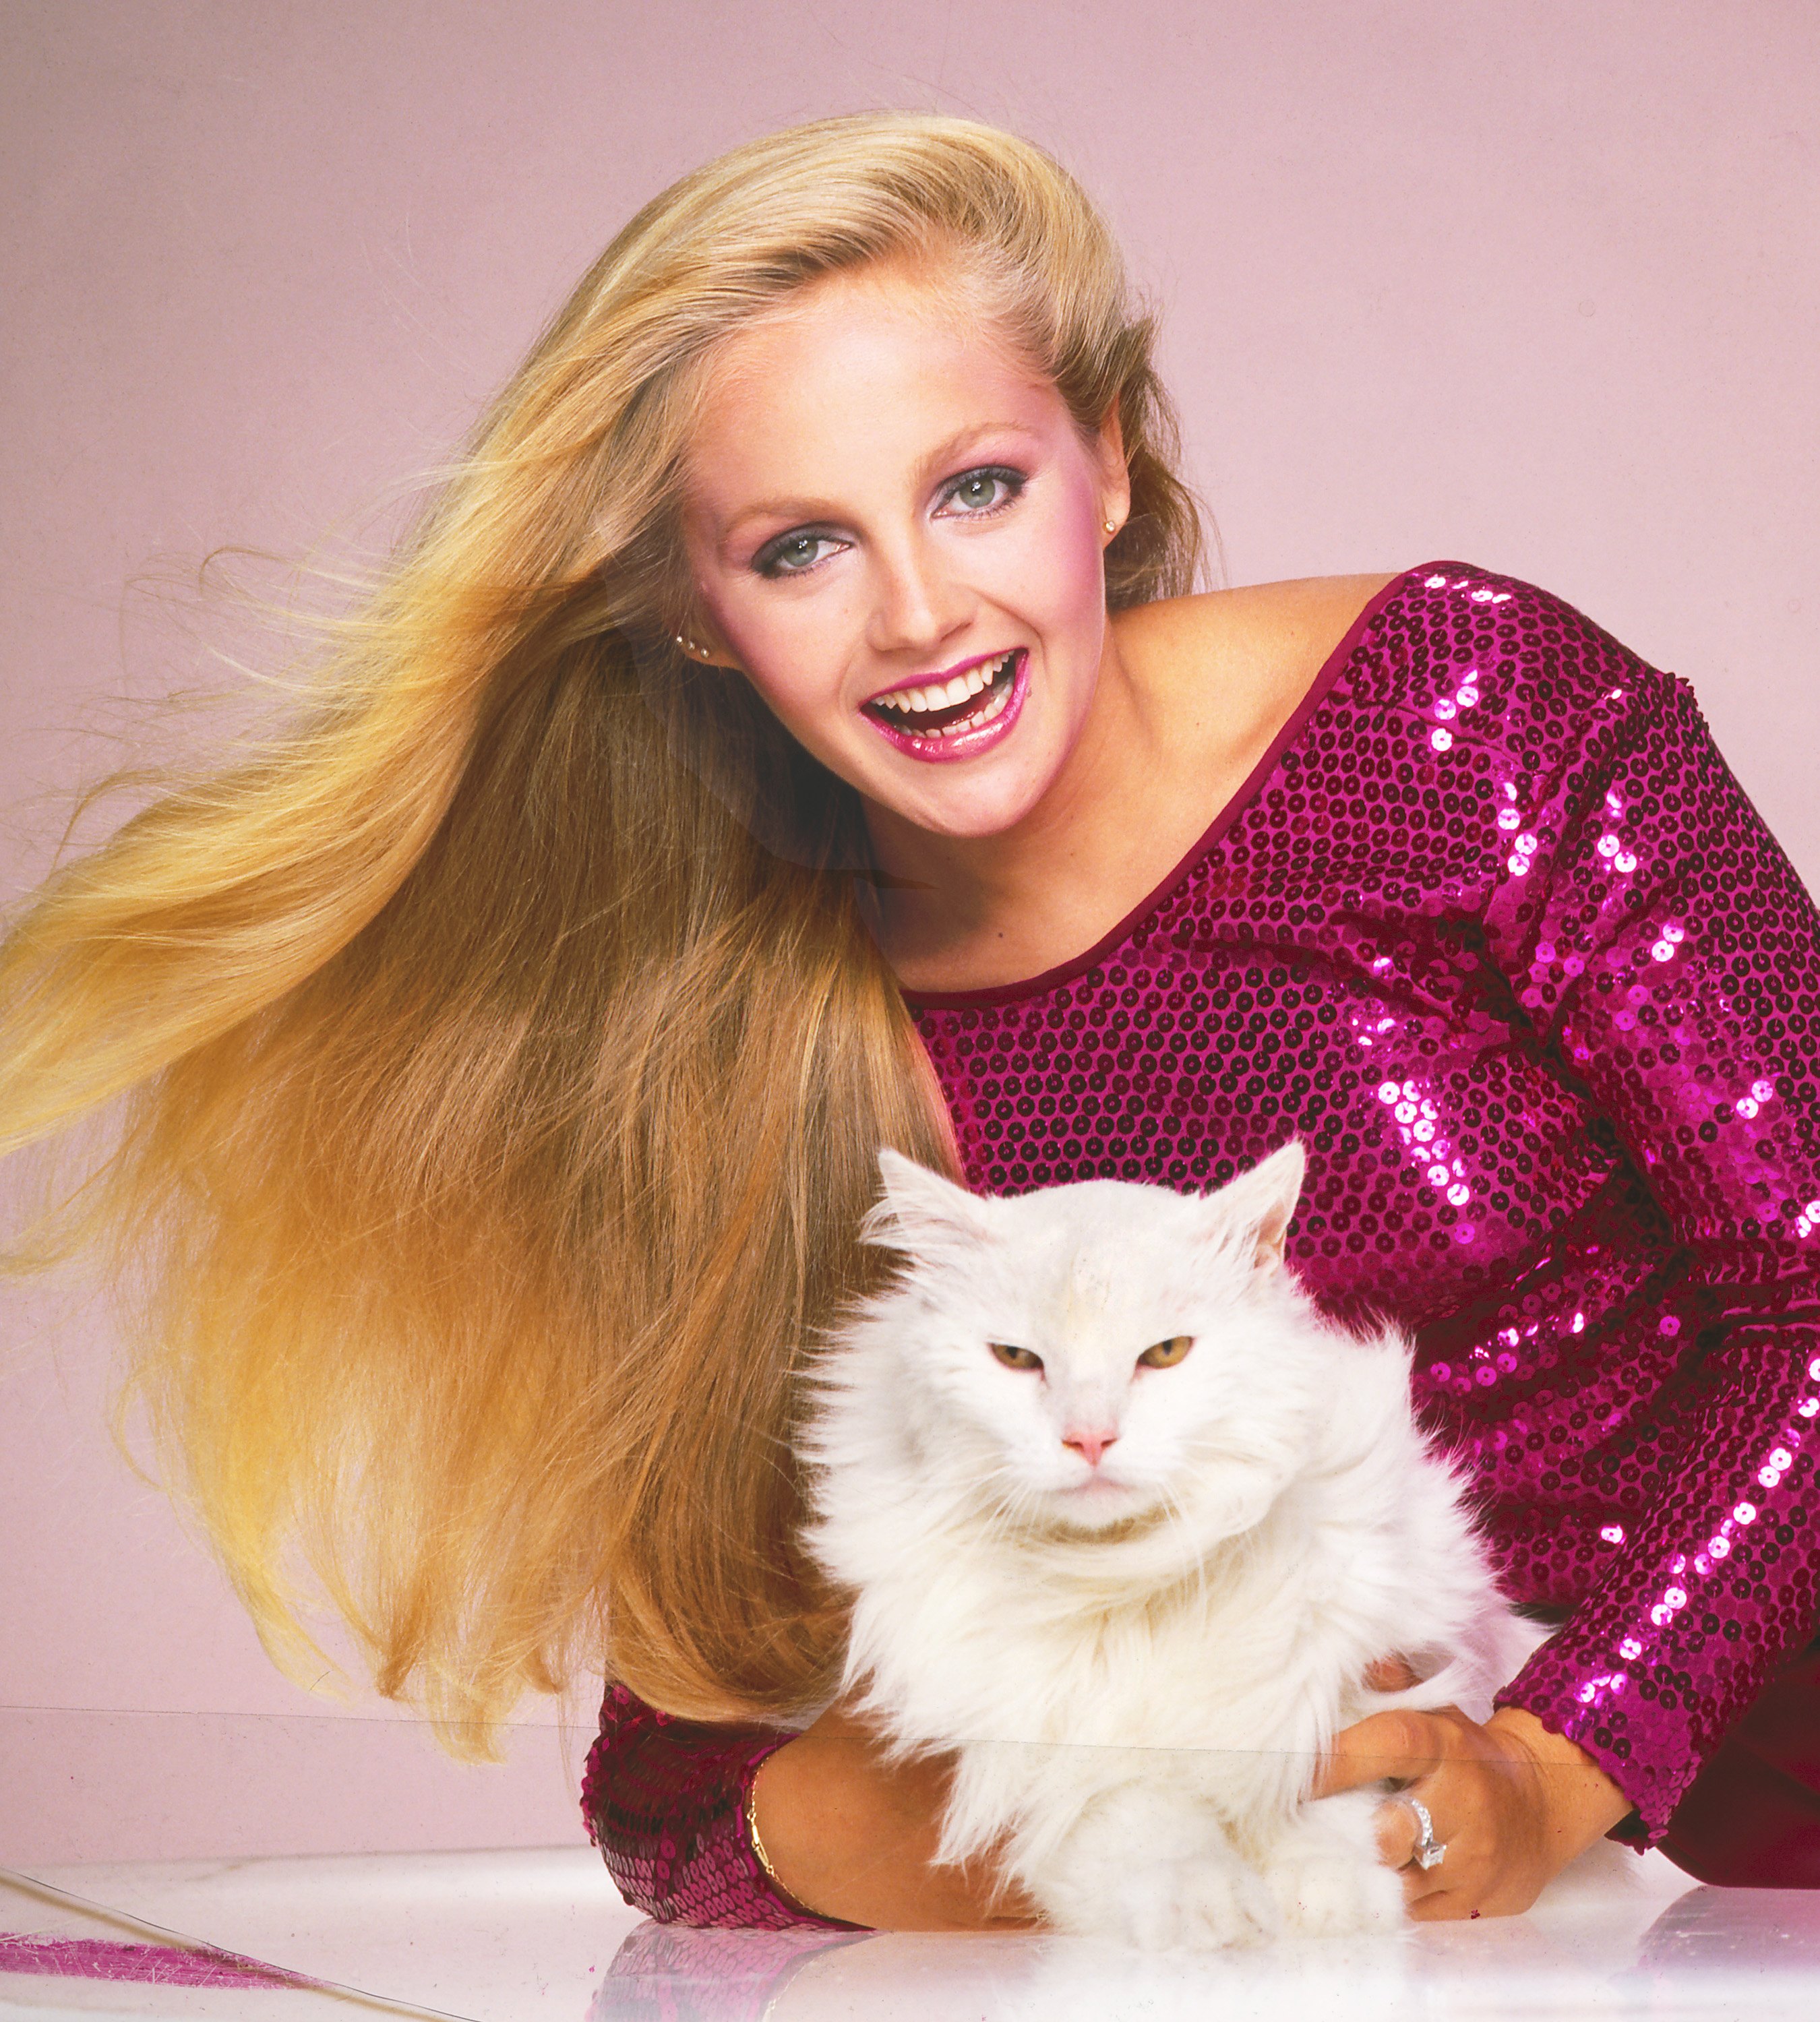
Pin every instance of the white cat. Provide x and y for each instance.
(1124, 1522)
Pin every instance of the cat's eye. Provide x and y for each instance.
(1015, 1358)
(1166, 1354)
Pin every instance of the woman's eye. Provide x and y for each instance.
(1166, 1354)
(1015, 1358)
(792, 554)
(983, 491)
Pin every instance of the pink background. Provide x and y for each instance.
(1531, 284)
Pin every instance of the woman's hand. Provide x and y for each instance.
(852, 1836)
(1512, 1803)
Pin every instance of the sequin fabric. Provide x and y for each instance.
(1493, 929)
(665, 1802)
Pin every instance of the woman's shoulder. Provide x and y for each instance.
(1530, 660)
(1531, 669)
(1301, 607)
(1268, 635)
(1231, 667)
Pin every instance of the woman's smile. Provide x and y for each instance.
(955, 715)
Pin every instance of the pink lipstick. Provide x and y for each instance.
(954, 715)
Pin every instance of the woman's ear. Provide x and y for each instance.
(1115, 473)
(701, 640)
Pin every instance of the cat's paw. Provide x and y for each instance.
(1198, 1904)
(1334, 1892)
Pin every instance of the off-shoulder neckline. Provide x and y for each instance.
(1330, 669)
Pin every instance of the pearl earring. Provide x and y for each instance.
(1112, 526)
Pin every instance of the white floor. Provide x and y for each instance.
(502, 1936)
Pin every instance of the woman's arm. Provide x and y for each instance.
(1668, 958)
(853, 1836)
(665, 1802)
(673, 1805)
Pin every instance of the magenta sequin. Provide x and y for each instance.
(665, 1802)
(1493, 929)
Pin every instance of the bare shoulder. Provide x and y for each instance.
(1266, 640)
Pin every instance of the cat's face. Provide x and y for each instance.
(1102, 1352)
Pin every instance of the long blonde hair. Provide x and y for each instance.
(501, 1054)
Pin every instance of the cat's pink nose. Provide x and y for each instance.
(1090, 1446)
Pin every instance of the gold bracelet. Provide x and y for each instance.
(758, 1844)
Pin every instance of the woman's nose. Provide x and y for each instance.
(916, 603)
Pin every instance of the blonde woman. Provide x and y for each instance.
(789, 732)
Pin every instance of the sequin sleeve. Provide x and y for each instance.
(1670, 959)
(664, 1800)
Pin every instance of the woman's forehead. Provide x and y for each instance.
(867, 371)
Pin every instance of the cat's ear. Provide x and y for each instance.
(920, 1208)
(1256, 1207)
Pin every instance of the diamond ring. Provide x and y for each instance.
(1429, 1852)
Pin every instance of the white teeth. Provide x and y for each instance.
(980, 717)
(944, 695)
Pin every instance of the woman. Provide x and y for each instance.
(740, 770)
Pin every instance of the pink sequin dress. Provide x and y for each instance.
(1493, 929)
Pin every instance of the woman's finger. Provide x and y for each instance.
(1437, 1905)
(1397, 1832)
(1402, 1744)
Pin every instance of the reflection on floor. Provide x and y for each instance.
(499, 1937)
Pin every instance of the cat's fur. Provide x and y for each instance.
(1137, 1662)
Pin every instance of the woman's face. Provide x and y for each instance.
(895, 530)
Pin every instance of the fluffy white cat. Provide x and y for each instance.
(1124, 1522)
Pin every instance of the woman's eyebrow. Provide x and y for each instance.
(799, 510)
(964, 439)
(794, 512)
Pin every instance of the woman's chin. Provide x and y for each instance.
(963, 805)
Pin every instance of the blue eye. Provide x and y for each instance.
(977, 492)
(792, 554)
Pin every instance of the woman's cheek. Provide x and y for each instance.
(1064, 565)
(793, 657)
(1061, 594)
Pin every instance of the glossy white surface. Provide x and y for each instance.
(501, 1936)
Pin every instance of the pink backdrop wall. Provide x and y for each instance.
(1532, 284)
